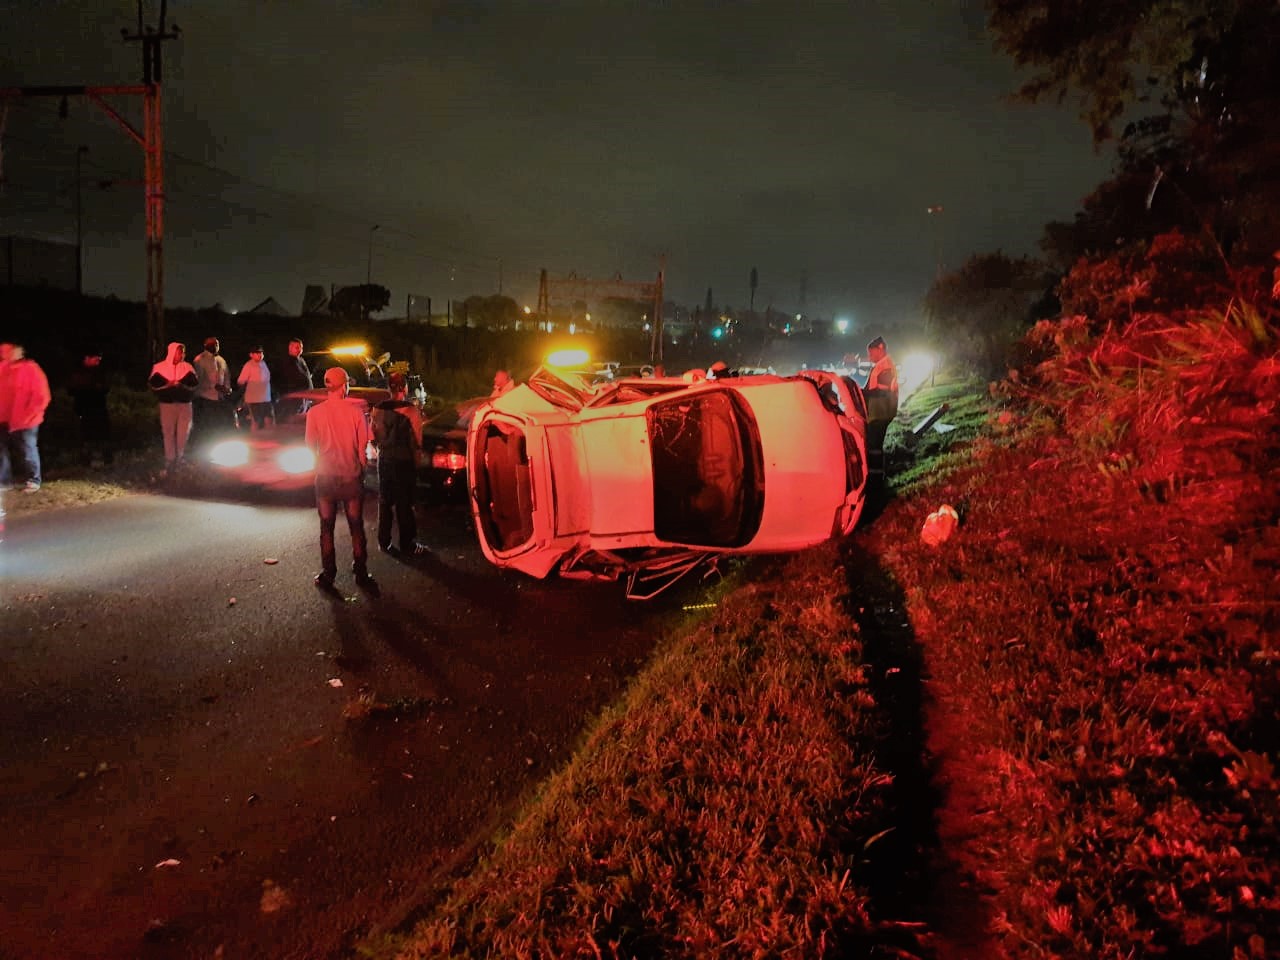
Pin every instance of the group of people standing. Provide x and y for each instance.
(196, 399)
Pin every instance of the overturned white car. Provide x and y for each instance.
(654, 477)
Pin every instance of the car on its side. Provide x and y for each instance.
(443, 473)
(651, 478)
(277, 457)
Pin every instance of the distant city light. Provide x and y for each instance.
(717, 333)
(842, 324)
(528, 309)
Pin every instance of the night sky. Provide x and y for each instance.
(487, 140)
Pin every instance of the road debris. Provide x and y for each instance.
(940, 525)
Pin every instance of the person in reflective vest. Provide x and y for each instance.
(881, 394)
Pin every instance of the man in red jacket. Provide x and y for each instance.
(338, 433)
(24, 397)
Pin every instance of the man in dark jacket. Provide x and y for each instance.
(294, 374)
(88, 388)
(397, 435)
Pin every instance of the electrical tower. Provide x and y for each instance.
(573, 286)
(150, 138)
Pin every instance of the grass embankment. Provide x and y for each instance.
(1101, 641)
(1053, 735)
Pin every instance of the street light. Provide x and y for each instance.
(368, 271)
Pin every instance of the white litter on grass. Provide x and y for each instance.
(231, 602)
(940, 525)
(269, 561)
(335, 682)
(168, 863)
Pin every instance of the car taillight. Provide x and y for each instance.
(448, 460)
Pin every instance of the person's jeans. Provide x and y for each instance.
(25, 455)
(348, 491)
(396, 482)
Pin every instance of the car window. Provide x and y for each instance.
(707, 475)
(503, 487)
(558, 390)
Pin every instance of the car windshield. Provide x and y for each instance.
(707, 470)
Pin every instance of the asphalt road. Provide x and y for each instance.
(181, 774)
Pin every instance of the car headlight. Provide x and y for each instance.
(296, 460)
(229, 453)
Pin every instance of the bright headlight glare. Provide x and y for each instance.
(229, 453)
(296, 460)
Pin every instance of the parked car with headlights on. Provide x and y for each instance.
(277, 457)
(651, 478)
(444, 450)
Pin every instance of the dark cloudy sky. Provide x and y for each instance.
(490, 138)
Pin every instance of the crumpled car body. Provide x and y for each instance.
(650, 479)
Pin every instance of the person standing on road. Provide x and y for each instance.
(24, 397)
(338, 433)
(294, 372)
(210, 406)
(881, 393)
(174, 381)
(88, 388)
(397, 436)
(255, 377)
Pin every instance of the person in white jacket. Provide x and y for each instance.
(255, 377)
(174, 382)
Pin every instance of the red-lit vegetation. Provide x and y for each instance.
(1053, 735)
(1100, 642)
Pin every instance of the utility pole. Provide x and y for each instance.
(80, 152)
(368, 270)
(935, 212)
(151, 141)
(153, 154)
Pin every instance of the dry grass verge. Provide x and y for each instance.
(725, 808)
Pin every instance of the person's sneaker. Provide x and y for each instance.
(366, 582)
(30, 487)
(419, 550)
(324, 581)
(388, 549)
